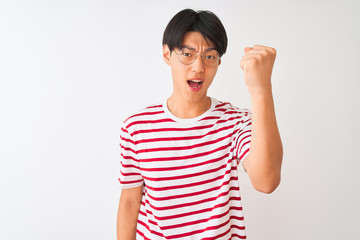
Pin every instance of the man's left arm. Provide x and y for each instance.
(263, 163)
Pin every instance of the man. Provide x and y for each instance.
(179, 161)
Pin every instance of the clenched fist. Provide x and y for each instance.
(257, 64)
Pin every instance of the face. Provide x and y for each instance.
(191, 82)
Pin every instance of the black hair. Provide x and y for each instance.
(204, 22)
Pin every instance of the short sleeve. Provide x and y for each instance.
(243, 138)
(130, 175)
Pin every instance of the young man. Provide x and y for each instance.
(179, 161)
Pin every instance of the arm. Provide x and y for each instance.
(263, 163)
(129, 206)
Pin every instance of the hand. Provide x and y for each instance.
(257, 64)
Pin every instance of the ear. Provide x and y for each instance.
(166, 54)
(219, 61)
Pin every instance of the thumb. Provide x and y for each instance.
(247, 49)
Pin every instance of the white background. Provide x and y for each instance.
(71, 71)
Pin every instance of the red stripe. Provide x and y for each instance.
(186, 214)
(130, 182)
(172, 129)
(198, 222)
(245, 144)
(127, 140)
(145, 114)
(210, 118)
(226, 232)
(149, 122)
(155, 106)
(150, 230)
(198, 231)
(189, 175)
(222, 104)
(184, 138)
(236, 226)
(226, 120)
(128, 157)
(236, 235)
(184, 147)
(242, 155)
(183, 129)
(247, 122)
(239, 144)
(190, 184)
(127, 149)
(217, 236)
(183, 234)
(191, 203)
(236, 112)
(239, 209)
(185, 157)
(142, 234)
(124, 130)
(130, 174)
(193, 193)
(152, 222)
(187, 166)
(129, 166)
(241, 138)
(220, 110)
(242, 132)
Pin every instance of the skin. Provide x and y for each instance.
(183, 102)
(263, 163)
(128, 212)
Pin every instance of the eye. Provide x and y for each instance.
(210, 57)
(187, 54)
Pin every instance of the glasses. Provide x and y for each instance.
(187, 56)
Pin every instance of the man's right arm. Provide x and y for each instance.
(128, 212)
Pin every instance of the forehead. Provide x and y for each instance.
(197, 41)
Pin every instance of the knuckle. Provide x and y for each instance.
(253, 61)
(266, 53)
(273, 51)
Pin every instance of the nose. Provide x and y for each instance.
(198, 65)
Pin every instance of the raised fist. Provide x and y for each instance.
(257, 64)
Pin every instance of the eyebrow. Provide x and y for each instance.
(193, 49)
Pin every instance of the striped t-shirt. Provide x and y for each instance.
(188, 169)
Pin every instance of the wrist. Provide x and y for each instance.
(261, 93)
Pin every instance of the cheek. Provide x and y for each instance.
(211, 74)
(179, 72)
(178, 75)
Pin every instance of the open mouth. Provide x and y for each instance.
(194, 84)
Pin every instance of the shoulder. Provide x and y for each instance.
(147, 114)
(229, 109)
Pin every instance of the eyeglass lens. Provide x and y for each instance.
(209, 58)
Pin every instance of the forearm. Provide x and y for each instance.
(265, 156)
(128, 213)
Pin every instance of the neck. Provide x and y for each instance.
(182, 108)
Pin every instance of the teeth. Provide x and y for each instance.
(195, 83)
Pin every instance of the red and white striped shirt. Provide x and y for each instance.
(188, 168)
